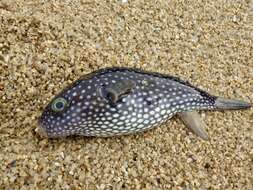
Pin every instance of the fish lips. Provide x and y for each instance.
(41, 131)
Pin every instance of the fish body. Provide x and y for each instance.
(119, 101)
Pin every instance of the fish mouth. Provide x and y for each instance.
(40, 130)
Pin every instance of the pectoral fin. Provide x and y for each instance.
(194, 122)
(116, 91)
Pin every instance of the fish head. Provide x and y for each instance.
(67, 112)
(52, 121)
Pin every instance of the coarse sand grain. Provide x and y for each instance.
(45, 45)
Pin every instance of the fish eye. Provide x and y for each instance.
(59, 104)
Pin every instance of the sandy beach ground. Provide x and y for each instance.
(45, 45)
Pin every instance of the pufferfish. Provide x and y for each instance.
(119, 101)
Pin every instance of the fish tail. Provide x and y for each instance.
(230, 104)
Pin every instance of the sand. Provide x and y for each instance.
(45, 45)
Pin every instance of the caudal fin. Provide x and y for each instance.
(229, 104)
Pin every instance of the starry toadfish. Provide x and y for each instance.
(119, 101)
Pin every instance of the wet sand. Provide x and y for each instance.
(44, 46)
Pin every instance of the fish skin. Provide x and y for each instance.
(119, 101)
